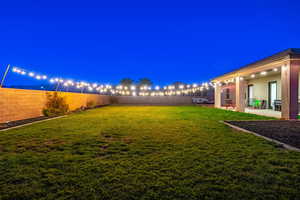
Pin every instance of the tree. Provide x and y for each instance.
(126, 81)
(145, 81)
(178, 83)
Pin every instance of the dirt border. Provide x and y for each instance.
(287, 146)
(49, 118)
(34, 122)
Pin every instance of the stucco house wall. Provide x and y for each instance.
(261, 86)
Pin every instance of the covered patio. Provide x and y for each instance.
(262, 93)
(268, 87)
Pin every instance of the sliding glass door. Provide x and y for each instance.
(250, 95)
(272, 94)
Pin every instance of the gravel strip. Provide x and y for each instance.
(284, 131)
(22, 122)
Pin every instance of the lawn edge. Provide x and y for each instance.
(287, 146)
(27, 124)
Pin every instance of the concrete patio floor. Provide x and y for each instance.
(264, 112)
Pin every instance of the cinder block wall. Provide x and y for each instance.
(18, 104)
(153, 100)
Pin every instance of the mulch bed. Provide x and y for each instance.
(21, 122)
(284, 131)
(30, 120)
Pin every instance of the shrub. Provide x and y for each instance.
(55, 105)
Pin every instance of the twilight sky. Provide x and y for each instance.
(166, 41)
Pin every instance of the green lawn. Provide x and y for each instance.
(144, 152)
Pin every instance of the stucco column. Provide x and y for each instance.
(240, 94)
(217, 95)
(289, 90)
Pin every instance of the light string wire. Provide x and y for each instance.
(128, 90)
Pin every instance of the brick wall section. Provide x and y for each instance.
(18, 104)
(155, 100)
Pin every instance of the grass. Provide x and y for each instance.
(144, 152)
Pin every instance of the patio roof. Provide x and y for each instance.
(283, 55)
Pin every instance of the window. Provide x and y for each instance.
(227, 93)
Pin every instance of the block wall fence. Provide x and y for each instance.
(153, 100)
(18, 104)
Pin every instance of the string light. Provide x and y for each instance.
(121, 89)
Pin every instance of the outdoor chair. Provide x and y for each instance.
(229, 103)
(277, 105)
(260, 104)
(263, 104)
(256, 104)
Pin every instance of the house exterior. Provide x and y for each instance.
(268, 87)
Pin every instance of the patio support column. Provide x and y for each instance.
(217, 95)
(289, 90)
(240, 94)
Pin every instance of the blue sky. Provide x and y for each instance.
(166, 41)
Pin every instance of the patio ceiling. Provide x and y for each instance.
(268, 64)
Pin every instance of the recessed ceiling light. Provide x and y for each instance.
(263, 73)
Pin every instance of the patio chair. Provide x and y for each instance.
(229, 103)
(263, 104)
(256, 104)
(277, 105)
(260, 104)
